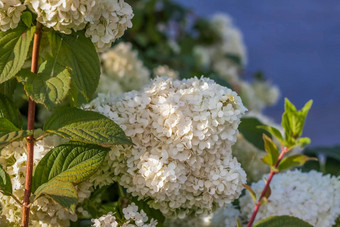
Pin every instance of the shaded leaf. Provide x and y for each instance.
(251, 132)
(27, 18)
(329, 160)
(72, 162)
(5, 182)
(79, 54)
(10, 111)
(15, 44)
(7, 88)
(282, 221)
(85, 126)
(294, 161)
(50, 86)
(61, 192)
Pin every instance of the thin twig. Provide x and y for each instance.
(285, 150)
(30, 126)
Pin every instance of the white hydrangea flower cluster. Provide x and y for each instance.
(109, 20)
(310, 196)
(164, 70)
(134, 218)
(44, 212)
(121, 64)
(10, 13)
(183, 132)
(105, 20)
(225, 217)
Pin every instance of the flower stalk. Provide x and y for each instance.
(30, 126)
(273, 171)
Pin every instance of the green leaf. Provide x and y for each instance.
(303, 142)
(282, 221)
(72, 162)
(251, 131)
(274, 131)
(5, 182)
(14, 44)
(85, 126)
(27, 18)
(10, 111)
(6, 126)
(7, 88)
(272, 151)
(79, 54)
(251, 192)
(238, 223)
(293, 122)
(61, 192)
(50, 86)
(294, 161)
(9, 133)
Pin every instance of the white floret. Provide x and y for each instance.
(10, 14)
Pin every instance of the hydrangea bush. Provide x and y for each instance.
(157, 128)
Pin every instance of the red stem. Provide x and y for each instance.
(285, 150)
(30, 126)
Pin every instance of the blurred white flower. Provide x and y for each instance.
(108, 85)
(44, 211)
(232, 39)
(164, 70)
(310, 196)
(133, 218)
(107, 220)
(225, 217)
(183, 132)
(10, 14)
(121, 64)
(267, 93)
(259, 94)
(228, 56)
(201, 221)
